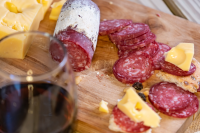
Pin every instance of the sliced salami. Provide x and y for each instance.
(132, 31)
(168, 97)
(191, 109)
(158, 58)
(112, 26)
(136, 67)
(133, 40)
(174, 70)
(125, 123)
(150, 49)
(79, 48)
(129, 45)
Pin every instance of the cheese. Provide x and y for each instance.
(19, 15)
(46, 4)
(11, 7)
(146, 114)
(181, 55)
(56, 8)
(103, 107)
(14, 47)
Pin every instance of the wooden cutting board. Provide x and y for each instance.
(99, 83)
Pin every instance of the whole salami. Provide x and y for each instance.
(78, 28)
(168, 97)
(136, 67)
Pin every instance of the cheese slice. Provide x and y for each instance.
(128, 106)
(56, 8)
(181, 55)
(103, 107)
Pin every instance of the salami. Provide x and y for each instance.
(136, 67)
(78, 28)
(132, 31)
(133, 40)
(129, 45)
(174, 70)
(158, 58)
(150, 49)
(73, 41)
(112, 26)
(191, 109)
(168, 97)
(125, 123)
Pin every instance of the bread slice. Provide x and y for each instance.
(189, 83)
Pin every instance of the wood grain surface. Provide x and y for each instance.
(99, 83)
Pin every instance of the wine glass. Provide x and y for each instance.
(37, 93)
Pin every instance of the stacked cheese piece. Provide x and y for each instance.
(19, 15)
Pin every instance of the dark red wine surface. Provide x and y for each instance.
(36, 108)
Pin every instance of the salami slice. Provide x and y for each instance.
(174, 70)
(112, 26)
(125, 123)
(150, 49)
(168, 97)
(133, 40)
(191, 109)
(79, 48)
(158, 58)
(136, 67)
(129, 45)
(131, 31)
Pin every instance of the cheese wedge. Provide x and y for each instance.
(130, 104)
(181, 55)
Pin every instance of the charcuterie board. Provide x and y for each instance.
(98, 82)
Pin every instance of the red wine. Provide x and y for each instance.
(36, 108)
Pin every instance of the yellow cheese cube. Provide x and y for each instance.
(56, 8)
(129, 105)
(181, 55)
(103, 107)
(14, 47)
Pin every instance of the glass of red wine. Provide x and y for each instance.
(37, 90)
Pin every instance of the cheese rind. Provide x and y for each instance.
(103, 107)
(146, 114)
(181, 55)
